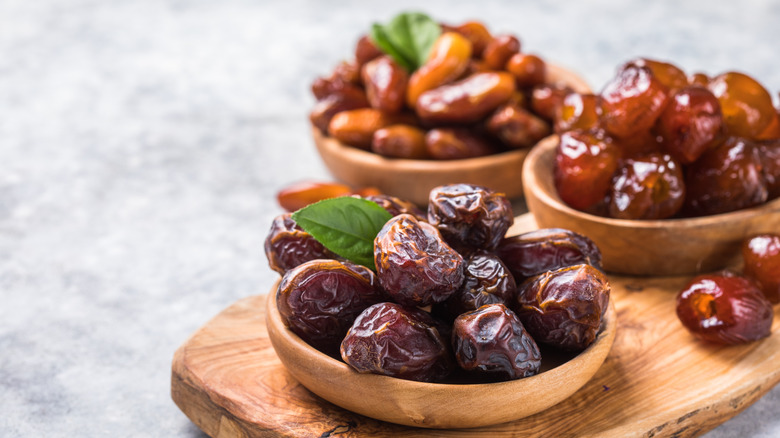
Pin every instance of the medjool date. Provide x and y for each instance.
(488, 281)
(492, 341)
(396, 206)
(724, 308)
(414, 264)
(564, 308)
(470, 217)
(288, 246)
(548, 249)
(394, 341)
(320, 299)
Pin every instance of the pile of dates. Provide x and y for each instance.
(658, 144)
(451, 296)
(729, 308)
(477, 94)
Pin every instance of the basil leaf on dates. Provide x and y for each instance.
(407, 38)
(347, 226)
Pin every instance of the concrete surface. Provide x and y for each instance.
(142, 143)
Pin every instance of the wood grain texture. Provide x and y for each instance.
(657, 381)
(413, 179)
(646, 247)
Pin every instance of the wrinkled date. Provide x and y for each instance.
(470, 217)
(396, 206)
(548, 249)
(488, 281)
(415, 266)
(398, 342)
(724, 308)
(564, 308)
(320, 299)
(288, 246)
(492, 341)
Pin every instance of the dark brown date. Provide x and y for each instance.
(470, 217)
(400, 141)
(690, 123)
(465, 101)
(398, 342)
(385, 83)
(648, 187)
(517, 127)
(725, 178)
(564, 308)
(319, 299)
(288, 246)
(584, 165)
(632, 101)
(548, 249)
(724, 308)
(414, 264)
(769, 152)
(762, 264)
(547, 98)
(488, 281)
(456, 144)
(366, 50)
(499, 50)
(492, 341)
(528, 70)
(325, 109)
(396, 206)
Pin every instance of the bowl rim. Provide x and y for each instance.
(598, 351)
(543, 153)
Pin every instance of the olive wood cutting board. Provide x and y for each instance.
(657, 380)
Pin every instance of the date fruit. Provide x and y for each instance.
(564, 308)
(394, 341)
(488, 281)
(762, 264)
(548, 249)
(396, 206)
(470, 217)
(584, 165)
(465, 101)
(320, 299)
(648, 187)
(415, 266)
(492, 341)
(288, 246)
(724, 308)
(726, 178)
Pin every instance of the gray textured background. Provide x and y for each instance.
(142, 143)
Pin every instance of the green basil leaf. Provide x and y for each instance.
(347, 226)
(408, 38)
(382, 41)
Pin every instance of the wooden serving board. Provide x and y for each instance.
(657, 381)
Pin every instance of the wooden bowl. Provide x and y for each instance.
(413, 180)
(645, 247)
(435, 405)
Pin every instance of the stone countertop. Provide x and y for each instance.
(142, 143)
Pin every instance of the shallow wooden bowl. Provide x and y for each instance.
(435, 405)
(413, 179)
(652, 247)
